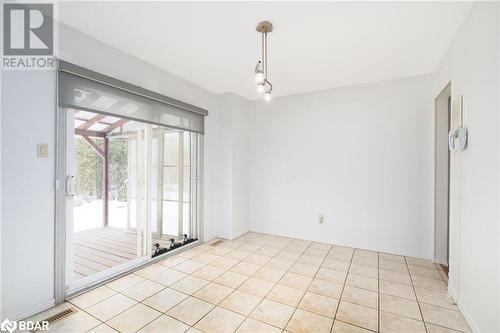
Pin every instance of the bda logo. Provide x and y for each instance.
(8, 326)
(28, 29)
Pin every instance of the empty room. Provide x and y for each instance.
(258, 166)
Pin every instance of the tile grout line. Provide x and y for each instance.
(305, 291)
(251, 276)
(343, 287)
(378, 291)
(141, 302)
(235, 289)
(263, 298)
(241, 260)
(415, 293)
(227, 270)
(280, 250)
(275, 284)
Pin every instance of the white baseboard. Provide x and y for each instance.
(472, 324)
(452, 293)
(441, 261)
(32, 310)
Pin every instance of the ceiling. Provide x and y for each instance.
(315, 45)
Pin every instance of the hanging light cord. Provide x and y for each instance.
(265, 64)
(265, 55)
(263, 60)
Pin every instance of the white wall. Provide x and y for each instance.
(361, 156)
(472, 65)
(28, 117)
(234, 221)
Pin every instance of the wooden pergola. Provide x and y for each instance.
(90, 125)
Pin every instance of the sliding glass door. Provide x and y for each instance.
(128, 173)
(106, 206)
(131, 191)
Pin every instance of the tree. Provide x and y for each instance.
(89, 168)
(118, 169)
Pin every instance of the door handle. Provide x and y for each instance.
(69, 186)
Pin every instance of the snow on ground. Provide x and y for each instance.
(88, 215)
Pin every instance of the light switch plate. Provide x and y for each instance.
(42, 150)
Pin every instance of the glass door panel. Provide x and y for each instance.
(177, 160)
(106, 196)
(131, 190)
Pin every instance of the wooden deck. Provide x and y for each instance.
(99, 249)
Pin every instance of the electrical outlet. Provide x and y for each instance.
(321, 219)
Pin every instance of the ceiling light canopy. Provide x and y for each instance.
(261, 75)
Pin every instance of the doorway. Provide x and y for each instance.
(128, 178)
(442, 177)
(131, 194)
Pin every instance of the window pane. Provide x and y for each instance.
(171, 183)
(154, 215)
(171, 149)
(154, 149)
(118, 182)
(88, 199)
(187, 184)
(154, 182)
(186, 210)
(187, 148)
(132, 148)
(170, 218)
(133, 212)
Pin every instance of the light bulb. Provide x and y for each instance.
(260, 87)
(259, 76)
(267, 96)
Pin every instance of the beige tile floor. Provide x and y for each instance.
(265, 283)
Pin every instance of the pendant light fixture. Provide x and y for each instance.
(261, 77)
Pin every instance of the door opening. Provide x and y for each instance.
(442, 177)
(130, 194)
(122, 198)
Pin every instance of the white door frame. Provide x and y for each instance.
(442, 177)
(454, 205)
(60, 239)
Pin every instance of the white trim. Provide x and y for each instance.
(468, 318)
(102, 276)
(441, 101)
(452, 293)
(60, 208)
(126, 271)
(200, 187)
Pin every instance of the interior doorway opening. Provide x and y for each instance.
(442, 177)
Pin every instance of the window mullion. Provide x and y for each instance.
(181, 183)
(159, 206)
